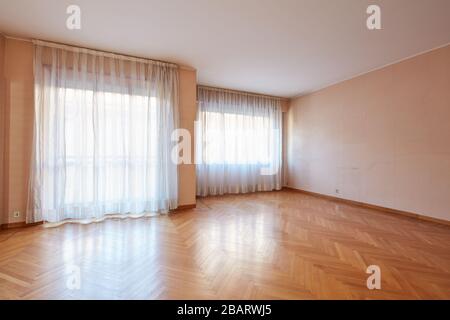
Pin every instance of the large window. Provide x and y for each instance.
(238, 142)
(102, 142)
(126, 150)
(236, 139)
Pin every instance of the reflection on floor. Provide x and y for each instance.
(272, 245)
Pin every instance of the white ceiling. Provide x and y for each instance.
(278, 47)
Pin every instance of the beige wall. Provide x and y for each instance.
(285, 103)
(19, 125)
(2, 126)
(188, 112)
(382, 138)
(19, 97)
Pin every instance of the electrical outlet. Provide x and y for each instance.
(16, 214)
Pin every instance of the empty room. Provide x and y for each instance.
(252, 150)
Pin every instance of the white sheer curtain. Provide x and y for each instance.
(238, 142)
(102, 135)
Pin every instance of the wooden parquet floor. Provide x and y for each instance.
(271, 245)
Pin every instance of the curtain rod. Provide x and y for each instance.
(95, 51)
(101, 52)
(247, 93)
(29, 40)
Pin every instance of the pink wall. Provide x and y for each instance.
(19, 125)
(2, 127)
(382, 138)
(187, 115)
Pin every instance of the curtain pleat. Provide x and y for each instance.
(102, 135)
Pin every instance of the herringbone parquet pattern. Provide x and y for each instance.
(272, 245)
